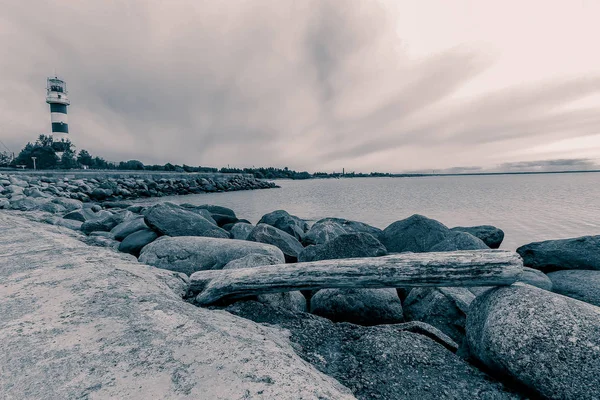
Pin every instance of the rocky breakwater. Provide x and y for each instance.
(481, 342)
(100, 187)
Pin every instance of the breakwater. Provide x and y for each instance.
(99, 186)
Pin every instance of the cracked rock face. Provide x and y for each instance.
(548, 342)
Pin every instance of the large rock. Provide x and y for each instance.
(416, 233)
(529, 276)
(548, 342)
(350, 245)
(288, 244)
(69, 204)
(241, 230)
(26, 204)
(290, 224)
(172, 220)
(444, 308)
(105, 223)
(79, 322)
(378, 362)
(128, 227)
(213, 209)
(459, 241)
(294, 300)
(490, 235)
(580, 285)
(203, 212)
(189, 254)
(552, 255)
(329, 228)
(358, 306)
(136, 241)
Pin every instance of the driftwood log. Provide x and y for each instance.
(457, 268)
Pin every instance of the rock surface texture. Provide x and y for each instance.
(171, 220)
(548, 342)
(415, 233)
(83, 322)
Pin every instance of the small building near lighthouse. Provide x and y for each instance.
(56, 96)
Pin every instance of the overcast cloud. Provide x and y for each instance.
(312, 84)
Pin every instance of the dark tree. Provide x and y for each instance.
(85, 158)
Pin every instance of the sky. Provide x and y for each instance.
(317, 85)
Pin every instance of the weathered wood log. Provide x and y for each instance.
(457, 268)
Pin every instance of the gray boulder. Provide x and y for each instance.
(128, 227)
(459, 241)
(548, 342)
(323, 231)
(282, 220)
(241, 230)
(378, 362)
(416, 233)
(490, 235)
(189, 254)
(4, 204)
(69, 223)
(347, 225)
(294, 301)
(288, 244)
(172, 220)
(444, 308)
(580, 285)
(552, 255)
(213, 209)
(52, 208)
(80, 215)
(136, 241)
(349, 245)
(358, 306)
(203, 212)
(25, 204)
(536, 278)
(69, 204)
(105, 223)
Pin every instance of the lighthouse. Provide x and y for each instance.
(56, 96)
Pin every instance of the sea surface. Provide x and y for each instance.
(527, 207)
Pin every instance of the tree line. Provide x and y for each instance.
(51, 154)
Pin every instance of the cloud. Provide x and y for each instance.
(318, 84)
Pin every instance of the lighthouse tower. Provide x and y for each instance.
(56, 96)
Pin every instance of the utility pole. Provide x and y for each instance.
(34, 158)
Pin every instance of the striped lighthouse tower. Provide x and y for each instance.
(56, 96)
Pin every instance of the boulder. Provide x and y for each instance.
(444, 308)
(172, 220)
(4, 204)
(490, 235)
(288, 244)
(202, 212)
(104, 223)
(547, 342)
(52, 208)
(128, 227)
(69, 223)
(25, 204)
(188, 254)
(101, 194)
(358, 306)
(553, 255)
(459, 241)
(378, 362)
(282, 220)
(80, 215)
(241, 230)
(349, 245)
(34, 192)
(328, 228)
(223, 219)
(323, 231)
(580, 285)
(294, 300)
(213, 209)
(135, 242)
(415, 233)
(536, 278)
(116, 204)
(69, 204)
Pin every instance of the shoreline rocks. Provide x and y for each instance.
(553, 255)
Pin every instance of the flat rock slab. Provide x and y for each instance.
(86, 322)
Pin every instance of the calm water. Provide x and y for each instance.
(527, 207)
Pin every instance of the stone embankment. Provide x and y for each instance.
(99, 186)
(86, 317)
